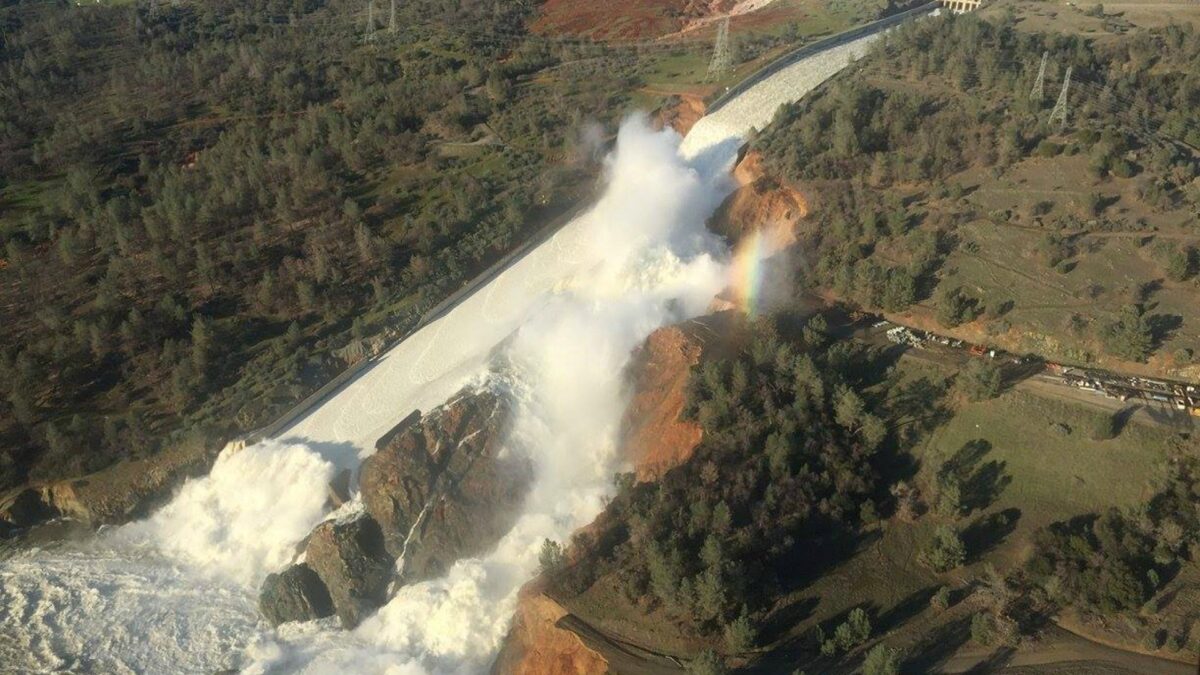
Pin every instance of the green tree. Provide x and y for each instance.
(941, 599)
(954, 307)
(946, 551)
(740, 634)
(882, 660)
(949, 494)
(551, 558)
(1129, 336)
(710, 594)
(852, 632)
(202, 339)
(980, 380)
(707, 663)
(873, 431)
(848, 408)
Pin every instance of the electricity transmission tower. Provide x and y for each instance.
(1060, 108)
(1039, 86)
(722, 58)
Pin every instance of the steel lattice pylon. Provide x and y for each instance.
(722, 58)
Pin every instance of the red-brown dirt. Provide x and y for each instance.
(656, 438)
(536, 645)
(680, 113)
(624, 19)
(760, 203)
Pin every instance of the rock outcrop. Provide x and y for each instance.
(114, 495)
(443, 489)
(760, 203)
(439, 488)
(350, 559)
(295, 594)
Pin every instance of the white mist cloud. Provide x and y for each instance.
(243, 520)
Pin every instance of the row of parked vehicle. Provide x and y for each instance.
(1180, 395)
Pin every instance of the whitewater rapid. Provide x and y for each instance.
(177, 592)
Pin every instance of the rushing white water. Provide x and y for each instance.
(176, 592)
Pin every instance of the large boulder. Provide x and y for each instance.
(295, 594)
(439, 488)
(442, 488)
(350, 559)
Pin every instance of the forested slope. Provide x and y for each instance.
(198, 201)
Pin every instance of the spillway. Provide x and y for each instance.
(177, 591)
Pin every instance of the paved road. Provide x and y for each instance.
(1060, 652)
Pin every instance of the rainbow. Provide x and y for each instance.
(747, 271)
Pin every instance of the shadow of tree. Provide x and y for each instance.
(938, 646)
(988, 532)
(984, 486)
(783, 618)
(1121, 418)
(981, 484)
(1163, 326)
(917, 405)
(966, 457)
(995, 662)
(904, 610)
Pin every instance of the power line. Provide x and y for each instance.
(722, 59)
(1060, 108)
(1039, 86)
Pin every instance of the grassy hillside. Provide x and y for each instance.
(945, 190)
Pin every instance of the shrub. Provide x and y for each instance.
(983, 629)
(946, 551)
(980, 380)
(707, 663)
(941, 599)
(882, 660)
(1181, 263)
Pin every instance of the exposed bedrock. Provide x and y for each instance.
(440, 487)
(445, 488)
(295, 594)
(350, 559)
